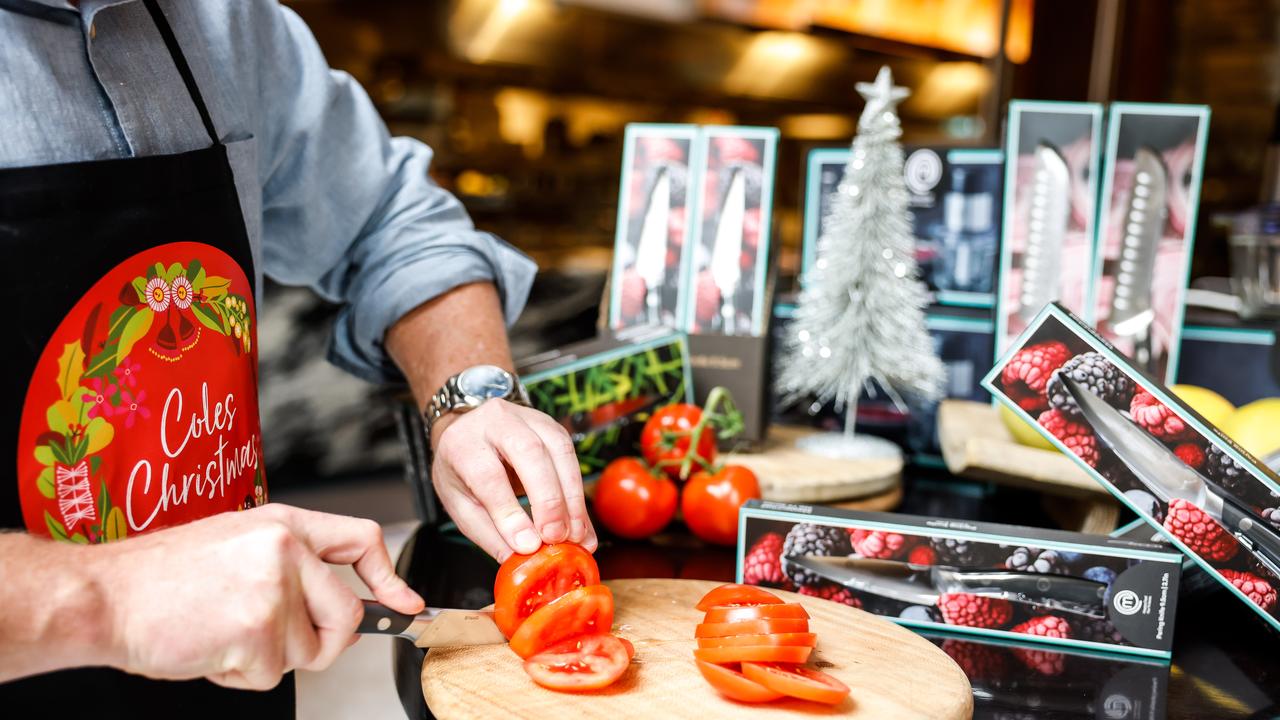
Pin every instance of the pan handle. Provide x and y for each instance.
(381, 620)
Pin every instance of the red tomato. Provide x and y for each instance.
(584, 611)
(755, 653)
(633, 502)
(736, 613)
(801, 682)
(752, 627)
(805, 639)
(587, 662)
(664, 442)
(734, 685)
(631, 649)
(527, 582)
(735, 594)
(710, 502)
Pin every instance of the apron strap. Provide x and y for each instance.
(180, 62)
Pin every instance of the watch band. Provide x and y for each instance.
(450, 398)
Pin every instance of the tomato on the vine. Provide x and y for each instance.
(633, 502)
(527, 582)
(667, 435)
(711, 501)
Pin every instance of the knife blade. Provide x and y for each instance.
(651, 249)
(1131, 309)
(1046, 231)
(726, 256)
(1169, 478)
(924, 584)
(434, 627)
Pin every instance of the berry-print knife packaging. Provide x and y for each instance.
(655, 203)
(1179, 473)
(1019, 583)
(1146, 228)
(1052, 154)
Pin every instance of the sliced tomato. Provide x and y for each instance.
(734, 685)
(631, 649)
(587, 662)
(584, 611)
(527, 582)
(797, 681)
(736, 613)
(804, 639)
(734, 594)
(755, 653)
(752, 627)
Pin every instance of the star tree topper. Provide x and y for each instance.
(882, 97)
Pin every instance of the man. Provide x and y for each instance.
(156, 158)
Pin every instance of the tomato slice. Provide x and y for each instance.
(584, 611)
(735, 613)
(754, 653)
(527, 582)
(631, 649)
(734, 685)
(587, 662)
(797, 681)
(804, 639)
(734, 594)
(752, 627)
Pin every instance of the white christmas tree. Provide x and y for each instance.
(860, 318)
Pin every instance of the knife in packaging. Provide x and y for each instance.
(1046, 231)
(1132, 313)
(434, 627)
(651, 249)
(726, 256)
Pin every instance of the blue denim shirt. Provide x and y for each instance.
(331, 201)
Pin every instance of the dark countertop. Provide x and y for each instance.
(1226, 661)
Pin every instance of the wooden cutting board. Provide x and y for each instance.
(788, 473)
(893, 672)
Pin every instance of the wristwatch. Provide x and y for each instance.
(471, 388)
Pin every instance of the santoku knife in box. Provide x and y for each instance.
(651, 248)
(726, 256)
(1047, 223)
(1131, 309)
(434, 627)
(924, 584)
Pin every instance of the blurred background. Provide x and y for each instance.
(525, 102)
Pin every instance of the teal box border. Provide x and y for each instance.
(1161, 393)
(1016, 108)
(693, 232)
(632, 134)
(1115, 116)
(1100, 546)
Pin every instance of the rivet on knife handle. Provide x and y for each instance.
(381, 620)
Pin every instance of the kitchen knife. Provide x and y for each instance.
(726, 256)
(651, 249)
(924, 584)
(1169, 478)
(435, 627)
(1046, 231)
(1131, 310)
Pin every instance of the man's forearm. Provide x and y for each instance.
(52, 607)
(440, 338)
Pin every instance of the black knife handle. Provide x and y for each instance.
(1035, 587)
(1254, 533)
(381, 620)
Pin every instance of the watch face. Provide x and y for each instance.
(485, 382)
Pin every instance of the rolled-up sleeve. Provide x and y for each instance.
(351, 212)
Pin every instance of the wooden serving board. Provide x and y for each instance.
(893, 672)
(789, 474)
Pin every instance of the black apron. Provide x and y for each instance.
(130, 398)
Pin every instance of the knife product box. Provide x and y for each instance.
(953, 195)
(1152, 172)
(1001, 581)
(657, 200)
(1052, 154)
(1210, 498)
(602, 390)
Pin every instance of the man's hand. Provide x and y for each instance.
(242, 598)
(483, 456)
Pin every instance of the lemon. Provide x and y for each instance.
(1212, 406)
(1256, 426)
(1022, 430)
